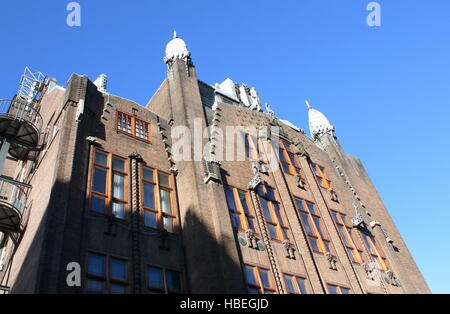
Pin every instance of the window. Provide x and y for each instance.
(108, 194)
(295, 284)
(161, 280)
(132, 126)
(159, 211)
(333, 289)
(259, 280)
(239, 206)
(321, 175)
(276, 221)
(348, 236)
(289, 161)
(313, 225)
(106, 274)
(375, 250)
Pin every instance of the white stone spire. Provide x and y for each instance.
(176, 49)
(101, 82)
(318, 123)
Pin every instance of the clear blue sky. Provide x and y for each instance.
(385, 89)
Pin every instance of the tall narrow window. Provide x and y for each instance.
(162, 281)
(259, 280)
(289, 161)
(158, 199)
(133, 126)
(321, 175)
(108, 195)
(348, 236)
(106, 275)
(276, 221)
(240, 210)
(313, 225)
(375, 250)
(295, 284)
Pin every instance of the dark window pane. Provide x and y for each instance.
(332, 289)
(302, 285)
(253, 291)
(98, 204)
(236, 220)
(96, 264)
(270, 194)
(119, 164)
(351, 254)
(164, 197)
(251, 224)
(99, 180)
(118, 269)
(311, 208)
(345, 291)
(335, 217)
(273, 232)
(265, 278)
(95, 286)
(243, 200)
(276, 208)
(265, 207)
(299, 204)
(117, 289)
(290, 284)
(150, 219)
(306, 224)
(149, 195)
(230, 198)
(343, 236)
(101, 158)
(318, 226)
(148, 174)
(163, 179)
(155, 278)
(250, 275)
(314, 245)
(174, 281)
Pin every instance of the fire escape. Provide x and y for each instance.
(20, 138)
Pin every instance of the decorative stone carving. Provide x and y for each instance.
(301, 183)
(270, 110)
(251, 239)
(332, 261)
(374, 223)
(290, 250)
(392, 279)
(212, 171)
(300, 150)
(93, 140)
(333, 195)
(370, 270)
(257, 180)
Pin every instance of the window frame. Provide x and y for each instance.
(133, 127)
(344, 222)
(243, 216)
(338, 288)
(290, 159)
(296, 284)
(375, 250)
(108, 196)
(321, 175)
(165, 289)
(160, 215)
(320, 238)
(259, 283)
(107, 279)
(281, 227)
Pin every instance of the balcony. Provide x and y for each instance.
(13, 200)
(20, 124)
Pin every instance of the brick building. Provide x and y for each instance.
(101, 186)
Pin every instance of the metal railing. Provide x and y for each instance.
(22, 111)
(13, 195)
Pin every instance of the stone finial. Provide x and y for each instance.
(332, 261)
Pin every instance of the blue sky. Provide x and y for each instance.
(385, 89)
